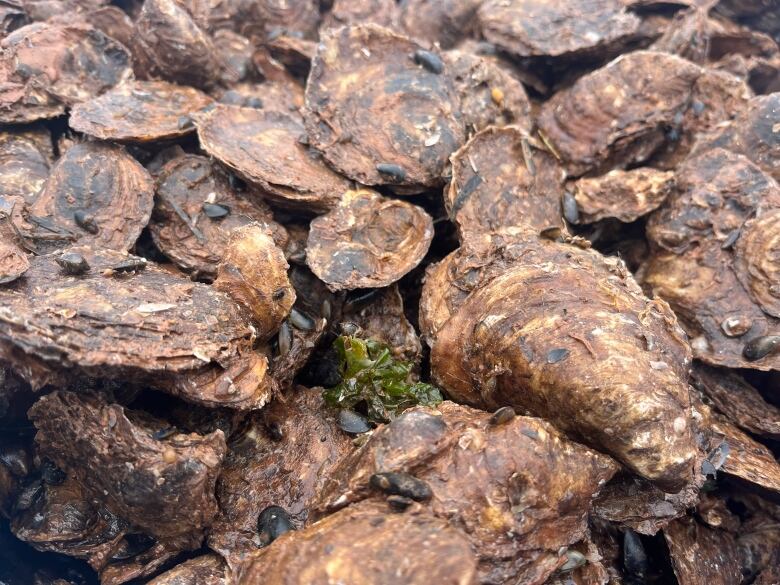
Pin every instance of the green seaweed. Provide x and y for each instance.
(371, 376)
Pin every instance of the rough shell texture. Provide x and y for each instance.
(40, 10)
(303, 343)
(235, 55)
(63, 520)
(439, 21)
(253, 272)
(489, 94)
(368, 103)
(502, 179)
(295, 53)
(66, 519)
(260, 470)
(205, 570)
(367, 241)
(139, 111)
(243, 382)
(519, 490)
(625, 195)
(181, 228)
(594, 570)
(694, 266)
(687, 35)
(13, 262)
(282, 95)
(381, 317)
(13, 258)
(740, 402)
(717, 97)
(758, 260)
(759, 538)
(266, 150)
(702, 555)
(361, 545)
(747, 459)
(621, 366)
(25, 158)
(381, 12)
(103, 187)
(716, 193)
(630, 502)
(146, 322)
(176, 47)
(701, 36)
(46, 66)
(618, 114)
(753, 133)
(142, 564)
(117, 24)
(165, 487)
(557, 28)
(266, 18)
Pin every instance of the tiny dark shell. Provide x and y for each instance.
(760, 347)
(570, 210)
(401, 484)
(350, 328)
(502, 415)
(284, 339)
(557, 355)
(731, 239)
(85, 222)
(430, 61)
(574, 560)
(73, 263)
(470, 186)
(719, 455)
(399, 503)
(395, 172)
(301, 321)
(326, 309)
(163, 434)
(551, 233)
(272, 523)
(51, 474)
(132, 264)
(359, 299)
(215, 211)
(353, 422)
(185, 122)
